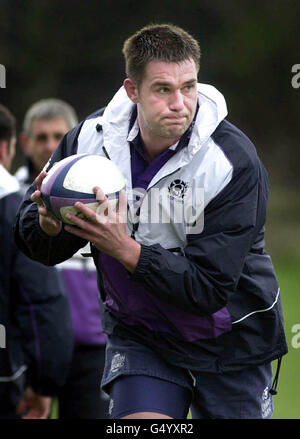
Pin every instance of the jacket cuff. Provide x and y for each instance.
(142, 267)
(45, 390)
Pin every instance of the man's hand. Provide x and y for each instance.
(48, 223)
(34, 406)
(106, 229)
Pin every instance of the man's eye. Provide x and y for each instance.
(41, 138)
(58, 136)
(163, 90)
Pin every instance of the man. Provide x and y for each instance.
(192, 307)
(45, 124)
(33, 309)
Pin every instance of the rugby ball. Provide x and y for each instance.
(73, 179)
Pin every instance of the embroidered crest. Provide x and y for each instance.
(111, 406)
(178, 188)
(117, 362)
(267, 404)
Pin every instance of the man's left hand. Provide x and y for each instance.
(106, 229)
(34, 406)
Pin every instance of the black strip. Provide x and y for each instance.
(273, 390)
(106, 153)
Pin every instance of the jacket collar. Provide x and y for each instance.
(8, 183)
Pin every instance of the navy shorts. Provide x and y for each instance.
(138, 380)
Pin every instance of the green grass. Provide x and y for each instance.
(283, 244)
(287, 401)
(54, 409)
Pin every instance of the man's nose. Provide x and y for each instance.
(177, 101)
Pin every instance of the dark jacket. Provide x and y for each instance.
(37, 336)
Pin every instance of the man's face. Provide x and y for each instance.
(44, 137)
(167, 99)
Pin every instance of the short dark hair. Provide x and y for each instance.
(7, 124)
(163, 42)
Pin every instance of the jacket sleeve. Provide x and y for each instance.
(201, 280)
(29, 237)
(38, 313)
(41, 311)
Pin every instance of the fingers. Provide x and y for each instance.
(35, 414)
(107, 212)
(122, 205)
(87, 212)
(100, 195)
(39, 179)
(88, 227)
(31, 414)
(80, 232)
(36, 197)
(42, 210)
(48, 222)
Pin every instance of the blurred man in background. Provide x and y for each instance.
(45, 123)
(36, 332)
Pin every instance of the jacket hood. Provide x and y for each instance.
(8, 183)
(212, 110)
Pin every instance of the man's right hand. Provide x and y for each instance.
(34, 406)
(48, 223)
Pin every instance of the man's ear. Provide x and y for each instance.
(131, 90)
(24, 142)
(3, 149)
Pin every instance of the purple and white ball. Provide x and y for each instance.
(73, 179)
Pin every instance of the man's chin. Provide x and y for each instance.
(175, 133)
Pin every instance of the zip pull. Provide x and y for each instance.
(135, 226)
(105, 152)
(134, 229)
(273, 390)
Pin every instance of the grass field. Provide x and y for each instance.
(283, 243)
(287, 401)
